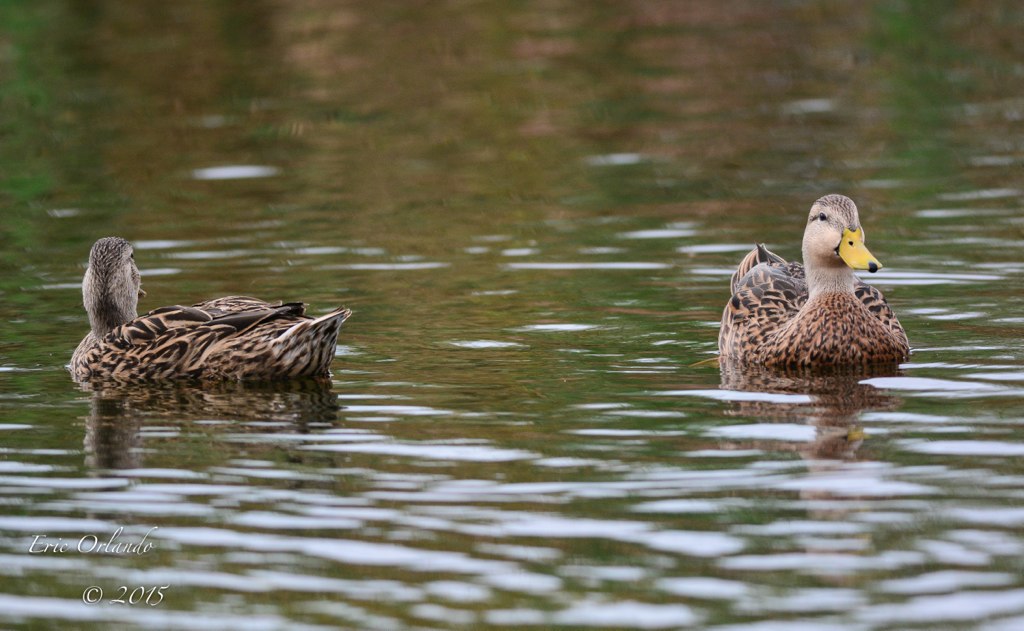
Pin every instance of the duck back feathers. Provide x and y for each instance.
(236, 337)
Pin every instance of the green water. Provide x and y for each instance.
(533, 209)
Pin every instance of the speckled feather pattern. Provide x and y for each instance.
(235, 337)
(770, 321)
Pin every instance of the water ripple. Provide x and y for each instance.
(234, 172)
(587, 265)
(462, 453)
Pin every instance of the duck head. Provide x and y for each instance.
(112, 285)
(833, 245)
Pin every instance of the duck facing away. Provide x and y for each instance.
(235, 337)
(816, 314)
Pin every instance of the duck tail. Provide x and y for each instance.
(764, 255)
(308, 347)
(340, 314)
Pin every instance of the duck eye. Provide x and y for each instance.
(822, 217)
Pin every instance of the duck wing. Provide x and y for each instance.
(767, 292)
(146, 328)
(877, 305)
(759, 255)
(240, 312)
(235, 304)
(176, 341)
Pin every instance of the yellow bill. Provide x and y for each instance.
(853, 251)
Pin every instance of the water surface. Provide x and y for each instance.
(533, 210)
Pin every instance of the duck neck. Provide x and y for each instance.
(829, 280)
(106, 308)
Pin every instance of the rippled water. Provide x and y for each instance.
(533, 210)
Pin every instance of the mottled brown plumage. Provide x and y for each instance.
(236, 337)
(815, 314)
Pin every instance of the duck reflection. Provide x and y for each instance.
(119, 413)
(833, 401)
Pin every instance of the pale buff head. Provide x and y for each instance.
(834, 245)
(112, 285)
